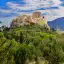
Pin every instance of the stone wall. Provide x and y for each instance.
(35, 18)
(36, 15)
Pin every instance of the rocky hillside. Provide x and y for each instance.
(35, 18)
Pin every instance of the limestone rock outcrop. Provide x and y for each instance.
(35, 18)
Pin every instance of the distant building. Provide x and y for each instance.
(35, 18)
(36, 15)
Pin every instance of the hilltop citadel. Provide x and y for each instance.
(35, 18)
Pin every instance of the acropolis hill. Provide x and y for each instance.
(35, 18)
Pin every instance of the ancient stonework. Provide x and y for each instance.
(36, 15)
(35, 18)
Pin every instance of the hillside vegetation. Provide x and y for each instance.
(30, 44)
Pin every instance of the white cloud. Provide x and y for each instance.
(4, 11)
(35, 5)
(57, 2)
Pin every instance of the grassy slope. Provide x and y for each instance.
(60, 37)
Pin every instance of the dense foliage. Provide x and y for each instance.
(30, 43)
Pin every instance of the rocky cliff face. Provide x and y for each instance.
(35, 18)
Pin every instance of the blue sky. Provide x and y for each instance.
(51, 9)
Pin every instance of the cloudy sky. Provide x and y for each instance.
(51, 9)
